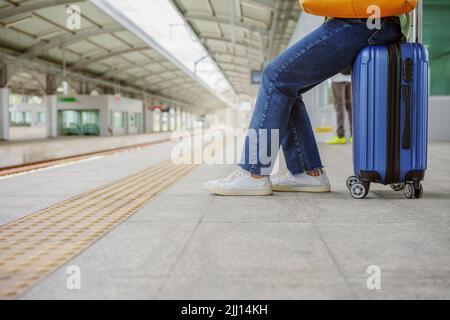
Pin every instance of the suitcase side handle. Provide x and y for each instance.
(407, 98)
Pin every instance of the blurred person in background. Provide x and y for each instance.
(342, 99)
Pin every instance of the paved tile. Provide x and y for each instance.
(175, 208)
(95, 286)
(291, 286)
(187, 244)
(254, 249)
(138, 249)
(394, 247)
(276, 208)
(405, 284)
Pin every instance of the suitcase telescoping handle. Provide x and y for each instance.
(408, 70)
(417, 23)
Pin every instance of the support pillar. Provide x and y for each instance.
(149, 119)
(178, 119)
(162, 116)
(4, 102)
(172, 119)
(50, 106)
(192, 121)
(51, 116)
(193, 124)
(183, 120)
(161, 121)
(4, 113)
(188, 121)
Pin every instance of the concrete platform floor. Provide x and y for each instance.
(187, 244)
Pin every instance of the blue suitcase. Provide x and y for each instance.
(390, 119)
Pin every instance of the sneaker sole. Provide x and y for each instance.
(318, 189)
(241, 192)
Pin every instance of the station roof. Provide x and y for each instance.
(105, 51)
(241, 35)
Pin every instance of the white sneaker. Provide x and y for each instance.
(240, 183)
(302, 183)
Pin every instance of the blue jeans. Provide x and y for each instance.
(320, 55)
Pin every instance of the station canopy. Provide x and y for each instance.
(239, 36)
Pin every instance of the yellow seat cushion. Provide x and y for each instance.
(357, 8)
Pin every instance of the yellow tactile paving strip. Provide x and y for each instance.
(33, 247)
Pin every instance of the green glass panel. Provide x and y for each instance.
(437, 39)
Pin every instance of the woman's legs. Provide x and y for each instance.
(299, 144)
(326, 51)
(280, 109)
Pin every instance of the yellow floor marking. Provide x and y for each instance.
(33, 247)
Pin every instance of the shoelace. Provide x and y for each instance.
(286, 176)
(236, 174)
(289, 175)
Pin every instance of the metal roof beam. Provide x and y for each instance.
(172, 87)
(243, 65)
(54, 69)
(83, 63)
(150, 75)
(254, 54)
(223, 54)
(127, 67)
(244, 44)
(65, 40)
(237, 24)
(176, 90)
(267, 4)
(33, 6)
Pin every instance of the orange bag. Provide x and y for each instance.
(356, 8)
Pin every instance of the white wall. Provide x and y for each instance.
(438, 118)
(129, 106)
(27, 133)
(36, 130)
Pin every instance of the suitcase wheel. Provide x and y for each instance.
(351, 181)
(398, 186)
(413, 190)
(359, 190)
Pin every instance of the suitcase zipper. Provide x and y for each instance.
(393, 115)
